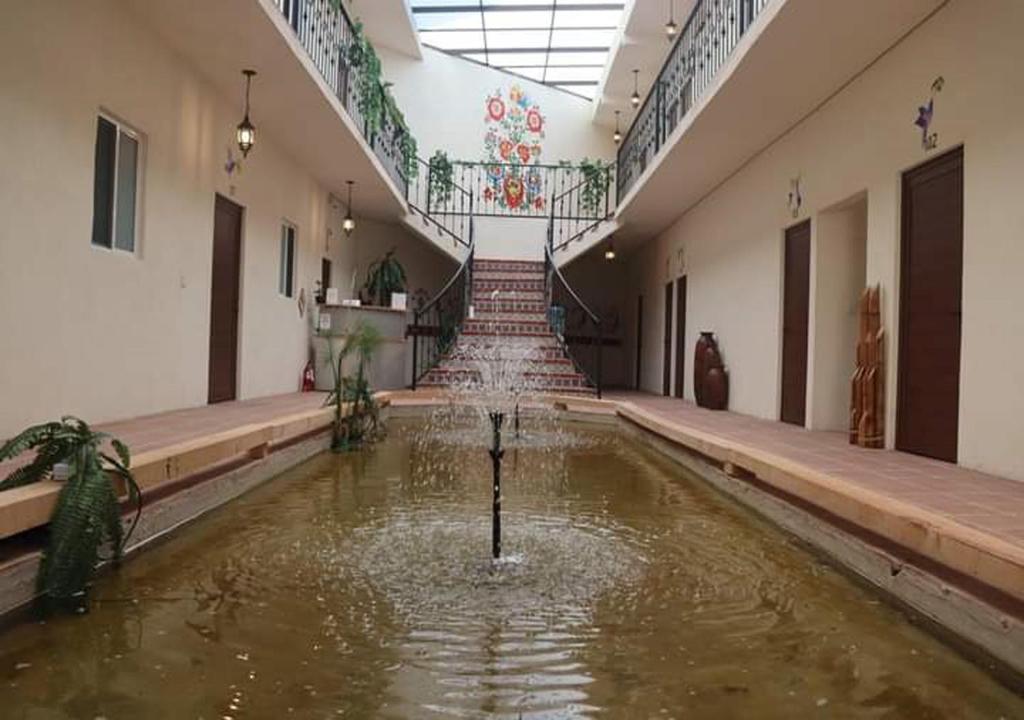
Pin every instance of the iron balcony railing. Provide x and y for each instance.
(582, 207)
(711, 33)
(443, 204)
(326, 32)
(528, 190)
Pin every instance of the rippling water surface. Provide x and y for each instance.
(361, 586)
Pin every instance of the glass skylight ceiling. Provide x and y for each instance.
(562, 43)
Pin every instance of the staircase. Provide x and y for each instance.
(508, 325)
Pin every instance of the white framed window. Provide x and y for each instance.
(116, 185)
(286, 273)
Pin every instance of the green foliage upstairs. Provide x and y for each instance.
(384, 277)
(596, 179)
(375, 101)
(87, 517)
(441, 184)
(356, 412)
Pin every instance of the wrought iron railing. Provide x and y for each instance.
(577, 327)
(708, 38)
(435, 327)
(524, 190)
(582, 207)
(441, 202)
(324, 29)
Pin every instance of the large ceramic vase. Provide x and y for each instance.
(716, 389)
(705, 341)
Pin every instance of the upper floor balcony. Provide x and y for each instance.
(317, 93)
(739, 76)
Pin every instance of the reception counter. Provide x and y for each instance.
(392, 363)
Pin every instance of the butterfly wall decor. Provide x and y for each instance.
(925, 114)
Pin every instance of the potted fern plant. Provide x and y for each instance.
(87, 517)
(384, 277)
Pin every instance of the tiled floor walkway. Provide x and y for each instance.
(993, 505)
(990, 504)
(150, 432)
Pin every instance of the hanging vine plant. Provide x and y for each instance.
(374, 99)
(441, 182)
(596, 176)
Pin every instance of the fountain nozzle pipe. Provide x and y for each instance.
(497, 418)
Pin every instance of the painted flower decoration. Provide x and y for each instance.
(534, 121)
(514, 131)
(539, 202)
(513, 191)
(496, 109)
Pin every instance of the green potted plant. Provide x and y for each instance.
(87, 516)
(356, 413)
(384, 277)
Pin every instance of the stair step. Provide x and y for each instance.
(488, 275)
(534, 379)
(509, 305)
(508, 266)
(510, 316)
(508, 285)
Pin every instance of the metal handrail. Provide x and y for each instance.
(452, 216)
(569, 344)
(572, 226)
(447, 310)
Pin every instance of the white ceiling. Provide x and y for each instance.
(388, 23)
(561, 43)
(642, 45)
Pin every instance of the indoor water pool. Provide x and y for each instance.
(361, 585)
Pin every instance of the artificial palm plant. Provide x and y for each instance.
(87, 516)
(355, 409)
(385, 276)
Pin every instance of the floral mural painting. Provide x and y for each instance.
(512, 144)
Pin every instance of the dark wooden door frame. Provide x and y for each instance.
(225, 300)
(796, 289)
(639, 340)
(928, 424)
(680, 336)
(666, 343)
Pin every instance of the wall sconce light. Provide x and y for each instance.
(671, 29)
(349, 223)
(609, 253)
(246, 131)
(635, 99)
(617, 137)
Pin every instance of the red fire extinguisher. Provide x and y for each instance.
(308, 378)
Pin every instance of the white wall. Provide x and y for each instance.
(838, 258)
(108, 335)
(861, 141)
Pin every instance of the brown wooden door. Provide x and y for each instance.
(666, 348)
(639, 340)
(680, 335)
(224, 295)
(795, 311)
(931, 276)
